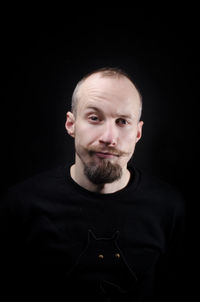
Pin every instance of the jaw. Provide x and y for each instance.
(78, 175)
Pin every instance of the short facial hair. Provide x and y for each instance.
(104, 172)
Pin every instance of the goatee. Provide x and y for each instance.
(102, 173)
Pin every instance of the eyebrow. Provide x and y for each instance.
(128, 116)
(93, 108)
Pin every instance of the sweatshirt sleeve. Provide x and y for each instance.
(10, 245)
(171, 272)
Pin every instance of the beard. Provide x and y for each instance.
(103, 172)
(99, 171)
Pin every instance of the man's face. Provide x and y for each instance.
(106, 127)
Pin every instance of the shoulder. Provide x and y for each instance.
(158, 191)
(40, 179)
(34, 187)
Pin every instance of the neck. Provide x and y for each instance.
(77, 174)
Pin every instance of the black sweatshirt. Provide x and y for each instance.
(61, 241)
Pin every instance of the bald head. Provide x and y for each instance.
(109, 81)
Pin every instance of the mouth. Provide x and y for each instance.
(106, 155)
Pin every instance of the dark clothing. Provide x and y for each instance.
(61, 241)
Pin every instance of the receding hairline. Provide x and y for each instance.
(109, 72)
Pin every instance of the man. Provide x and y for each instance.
(106, 126)
(99, 229)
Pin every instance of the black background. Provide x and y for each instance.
(45, 53)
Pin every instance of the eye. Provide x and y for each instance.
(93, 118)
(122, 122)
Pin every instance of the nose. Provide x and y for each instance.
(109, 134)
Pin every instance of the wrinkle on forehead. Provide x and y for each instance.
(117, 90)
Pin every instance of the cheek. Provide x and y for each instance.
(85, 135)
(128, 140)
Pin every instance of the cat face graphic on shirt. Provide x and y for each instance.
(103, 262)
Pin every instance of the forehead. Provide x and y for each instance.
(109, 91)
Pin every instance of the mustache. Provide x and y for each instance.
(111, 150)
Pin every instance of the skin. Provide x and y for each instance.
(107, 122)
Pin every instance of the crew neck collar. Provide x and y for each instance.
(132, 184)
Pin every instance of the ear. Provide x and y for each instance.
(115, 235)
(139, 131)
(70, 124)
(91, 235)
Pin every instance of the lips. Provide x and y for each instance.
(105, 154)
